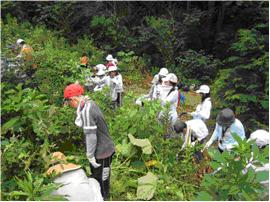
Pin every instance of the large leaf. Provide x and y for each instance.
(143, 143)
(10, 124)
(262, 176)
(146, 186)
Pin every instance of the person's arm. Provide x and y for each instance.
(90, 131)
(217, 132)
(187, 137)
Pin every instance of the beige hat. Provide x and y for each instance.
(62, 166)
(170, 77)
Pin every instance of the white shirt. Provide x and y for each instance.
(228, 142)
(116, 86)
(78, 187)
(172, 99)
(197, 128)
(203, 110)
(261, 137)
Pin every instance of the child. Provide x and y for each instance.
(84, 60)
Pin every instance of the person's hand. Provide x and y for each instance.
(93, 162)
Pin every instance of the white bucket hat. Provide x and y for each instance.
(109, 57)
(101, 72)
(171, 77)
(112, 69)
(163, 72)
(261, 137)
(203, 89)
(101, 67)
(19, 41)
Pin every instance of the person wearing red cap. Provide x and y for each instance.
(99, 145)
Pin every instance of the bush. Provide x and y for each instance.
(198, 66)
(244, 84)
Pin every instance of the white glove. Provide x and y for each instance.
(93, 162)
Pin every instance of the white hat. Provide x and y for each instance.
(109, 57)
(101, 72)
(203, 89)
(163, 72)
(261, 137)
(19, 41)
(100, 67)
(112, 69)
(171, 77)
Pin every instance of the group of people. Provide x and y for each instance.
(106, 75)
(99, 145)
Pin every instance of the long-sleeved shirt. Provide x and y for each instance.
(98, 141)
(226, 141)
(116, 86)
(172, 99)
(203, 110)
(101, 82)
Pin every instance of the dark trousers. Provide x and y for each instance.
(102, 174)
(118, 101)
(220, 150)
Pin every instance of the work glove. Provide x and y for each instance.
(93, 162)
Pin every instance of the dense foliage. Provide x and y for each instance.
(223, 44)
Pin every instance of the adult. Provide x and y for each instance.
(76, 185)
(116, 86)
(192, 131)
(226, 126)
(203, 110)
(99, 145)
(169, 94)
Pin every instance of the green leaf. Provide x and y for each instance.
(18, 193)
(143, 143)
(10, 124)
(146, 186)
(262, 176)
(204, 196)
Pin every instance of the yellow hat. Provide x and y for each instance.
(62, 166)
(58, 157)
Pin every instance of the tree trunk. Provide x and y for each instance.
(220, 19)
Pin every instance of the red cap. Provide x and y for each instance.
(73, 90)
